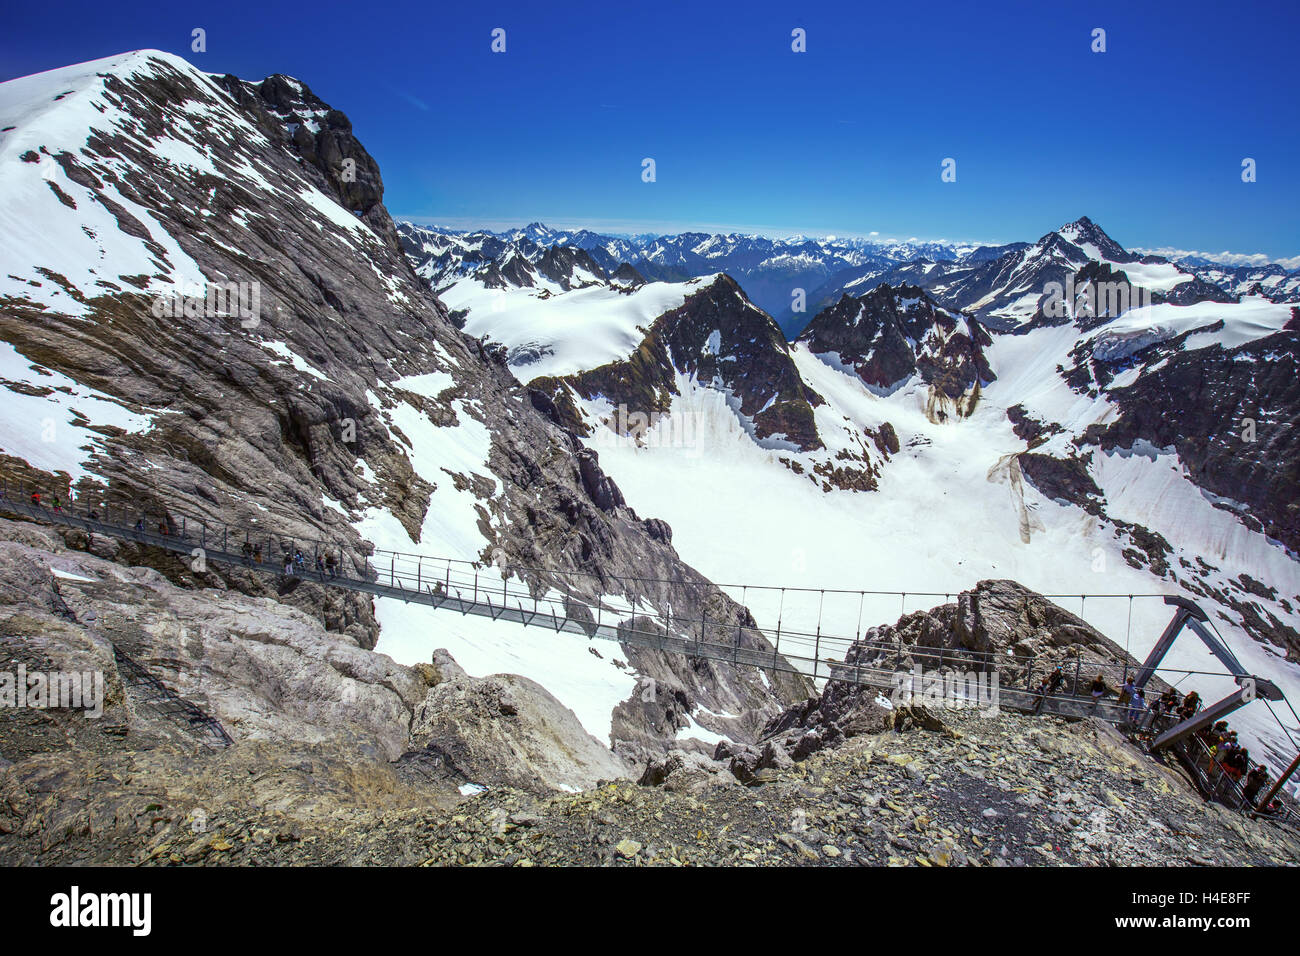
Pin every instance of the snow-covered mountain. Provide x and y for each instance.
(1010, 286)
(202, 287)
(205, 310)
(1271, 281)
(1058, 436)
(888, 335)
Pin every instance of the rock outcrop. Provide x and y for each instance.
(506, 730)
(998, 625)
(309, 722)
(892, 333)
(721, 339)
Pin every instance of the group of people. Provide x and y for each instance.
(293, 563)
(1231, 760)
(1054, 680)
(55, 503)
(1224, 755)
(163, 529)
(1169, 707)
(1171, 704)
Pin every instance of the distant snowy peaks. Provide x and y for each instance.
(537, 232)
(1002, 285)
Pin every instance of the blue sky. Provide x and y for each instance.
(847, 138)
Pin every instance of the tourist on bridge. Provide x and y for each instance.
(1098, 690)
(1126, 692)
(1167, 704)
(1137, 707)
(1051, 683)
(1214, 735)
(1212, 738)
(331, 566)
(247, 551)
(1255, 781)
(36, 498)
(1238, 762)
(1169, 701)
(320, 567)
(1232, 767)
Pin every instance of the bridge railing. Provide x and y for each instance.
(580, 595)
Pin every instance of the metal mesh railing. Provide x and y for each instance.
(580, 602)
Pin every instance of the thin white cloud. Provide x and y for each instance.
(1226, 258)
(415, 101)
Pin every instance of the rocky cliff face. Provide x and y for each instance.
(1231, 415)
(890, 334)
(271, 677)
(307, 724)
(336, 399)
(722, 340)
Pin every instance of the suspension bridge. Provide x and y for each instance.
(580, 603)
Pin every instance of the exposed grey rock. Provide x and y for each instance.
(685, 770)
(891, 333)
(506, 730)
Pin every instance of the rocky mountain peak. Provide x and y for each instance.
(1093, 240)
(287, 110)
(720, 339)
(626, 276)
(893, 332)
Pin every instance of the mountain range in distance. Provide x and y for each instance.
(794, 278)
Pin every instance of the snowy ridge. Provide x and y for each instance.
(550, 331)
(80, 245)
